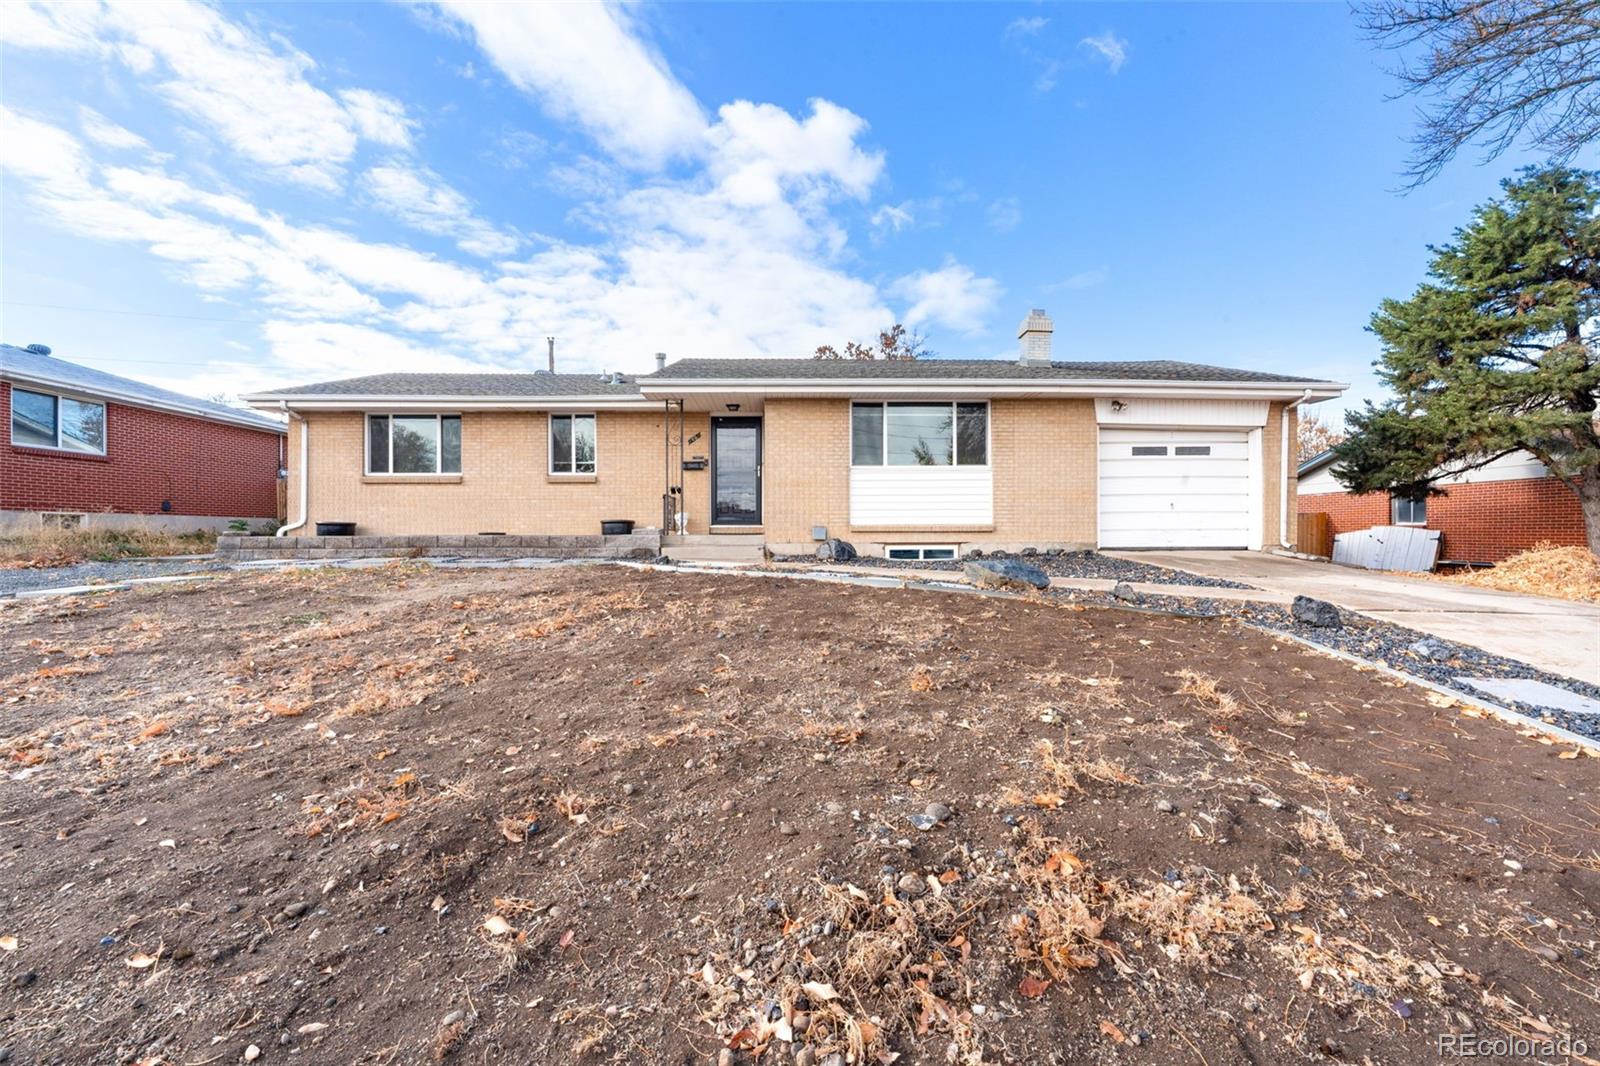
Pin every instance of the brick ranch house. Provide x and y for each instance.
(911, 459)
(1504, 507)
(92, 449)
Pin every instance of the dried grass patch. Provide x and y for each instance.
(1561, 572)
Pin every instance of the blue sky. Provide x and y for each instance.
(221, 198)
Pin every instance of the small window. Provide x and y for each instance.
(572, 444)
(1192, 449)
(920, 552)
(1149, 449)
(44, 420)
(1408, 511)
(413, 444)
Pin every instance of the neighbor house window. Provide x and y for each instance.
(413, 444)
(572, 440)
(1408, 511)
(919, 434)
(45, 420)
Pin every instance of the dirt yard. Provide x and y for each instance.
(604, 815)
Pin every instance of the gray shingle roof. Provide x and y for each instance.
(957, 369)
(46, 371)
(495, 385)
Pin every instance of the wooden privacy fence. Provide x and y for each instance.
(1315, 534)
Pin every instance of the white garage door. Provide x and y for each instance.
(1174, 488)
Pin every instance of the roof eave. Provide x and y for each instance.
(665, 388)
(243, 419)
(391, 401)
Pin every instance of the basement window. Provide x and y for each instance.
(413, 444)
(1192, 449)
(920, 552)
(1149, 449)
(46, 420)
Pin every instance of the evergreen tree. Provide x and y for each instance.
(1497, 352)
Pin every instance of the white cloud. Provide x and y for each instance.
(1110, 47)
(103, 131)
(1026, 27)
(421, 199)
(378, 117)
(587, 66)
(1083, 279)
(737, 250)
(1005, 214)
(951, 296)
(893, 217)
(254, 93)
(1048, 73)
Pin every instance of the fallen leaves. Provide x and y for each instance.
(8, 943)
(1031, 987)
(141, 960)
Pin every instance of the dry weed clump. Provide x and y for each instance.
(1202, 688)
(54, 546)
(1318, 829)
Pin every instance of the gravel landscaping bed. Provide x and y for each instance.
(27, 580)
(1393, 645)
(1083, 564)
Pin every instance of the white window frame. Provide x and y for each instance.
(549, 444)
(1394, 519)
(438, 454)
(57, 397)
(922, 550)
(988, 431)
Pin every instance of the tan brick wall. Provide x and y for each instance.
(1044, 454)
(503, 486)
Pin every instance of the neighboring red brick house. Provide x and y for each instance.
(103, 450)
(1484, 516)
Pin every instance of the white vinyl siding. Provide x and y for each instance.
(1175, 488)
(946, 496)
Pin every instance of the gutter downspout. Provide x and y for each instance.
(305, 467)
(1283, 477)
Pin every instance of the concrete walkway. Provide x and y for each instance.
(1556, 635)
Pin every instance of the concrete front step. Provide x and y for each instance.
(715, 549)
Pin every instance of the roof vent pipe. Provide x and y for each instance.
(552, 342)
(1033, 339)
(661, 361)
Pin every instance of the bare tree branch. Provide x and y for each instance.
(1493, 72)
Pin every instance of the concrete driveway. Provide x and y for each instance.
(1556, 635)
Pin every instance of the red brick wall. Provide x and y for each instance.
(204, 468)
(1482, 522)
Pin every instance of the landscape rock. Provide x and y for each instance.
(1006, 574)
(1165, 806)
(834, 550)
(1319, 613)
(911, 886)
(938, 812)
(1123, 591)
(1427, 649)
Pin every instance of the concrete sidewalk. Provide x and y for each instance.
(1556, 635)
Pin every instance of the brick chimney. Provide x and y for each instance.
(1033, 339)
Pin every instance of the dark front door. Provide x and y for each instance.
(736, 471)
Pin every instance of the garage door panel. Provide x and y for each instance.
(1198, 498)
(1148, 505)
(1129, 522)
